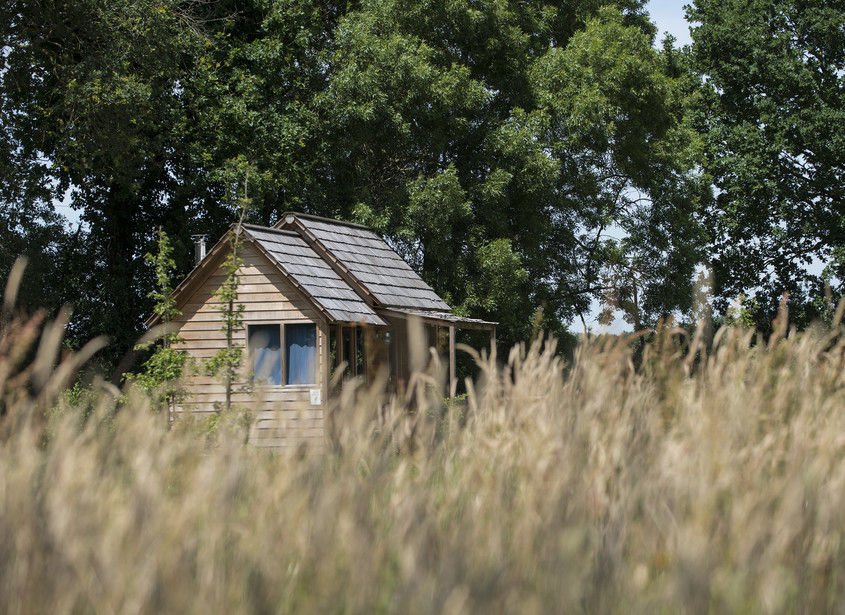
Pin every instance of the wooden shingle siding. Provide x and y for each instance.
(281, 415)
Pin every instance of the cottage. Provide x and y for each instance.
(317, 294)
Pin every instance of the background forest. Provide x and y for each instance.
(531, 159)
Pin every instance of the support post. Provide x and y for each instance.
(453, 381)
(493, 340)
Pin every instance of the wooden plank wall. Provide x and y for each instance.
(282, 415)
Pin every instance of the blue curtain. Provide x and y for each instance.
(266, 350)
(301, 354)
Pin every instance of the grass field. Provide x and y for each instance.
(699, 482)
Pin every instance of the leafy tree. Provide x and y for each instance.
(226, 362)
(29, 224)
(515, 153)
(161, 372)
(250, 92)
(616, 116)
(528, 131)
(92, 91)
(772, 74)
(131, 112)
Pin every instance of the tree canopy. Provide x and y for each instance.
(530, 159)
(773, 112)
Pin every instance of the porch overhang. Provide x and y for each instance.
(449, 321)
(440, 319)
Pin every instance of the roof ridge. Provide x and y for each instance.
(373, 286)
(270, 229)
(328, 220)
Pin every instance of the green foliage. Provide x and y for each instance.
(742, 312)
(81, 397)
(231, 312)
(96, 97)
(161, 373)
(162, 295)
(618, 121)
(226, 362)
(470, 129)
(519, 155)
(492, 293)
(774, 107)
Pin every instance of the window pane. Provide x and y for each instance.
(301, 354)
(360, 360)
(347, 350)
(265, 348)
(334, 358)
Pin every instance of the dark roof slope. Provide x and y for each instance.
(316, 278)
(371, 262)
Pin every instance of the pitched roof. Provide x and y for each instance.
(312, 274)
(368, 260)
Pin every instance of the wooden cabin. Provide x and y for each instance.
(318, 294)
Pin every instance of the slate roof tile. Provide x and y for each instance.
(373, 263)
(325, 287)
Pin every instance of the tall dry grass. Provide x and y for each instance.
(706, 485)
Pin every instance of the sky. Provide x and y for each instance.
(669, 17)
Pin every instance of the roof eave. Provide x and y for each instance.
(447, 318)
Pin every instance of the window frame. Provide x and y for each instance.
(253, 377)
(284, 349)
(283, 353)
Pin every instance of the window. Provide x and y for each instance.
(265, 349)
(301, 353)
(360, 361)
(348, 351)
(347, 346)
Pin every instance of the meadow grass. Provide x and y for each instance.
(686, 479)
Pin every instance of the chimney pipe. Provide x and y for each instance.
(199, 248)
